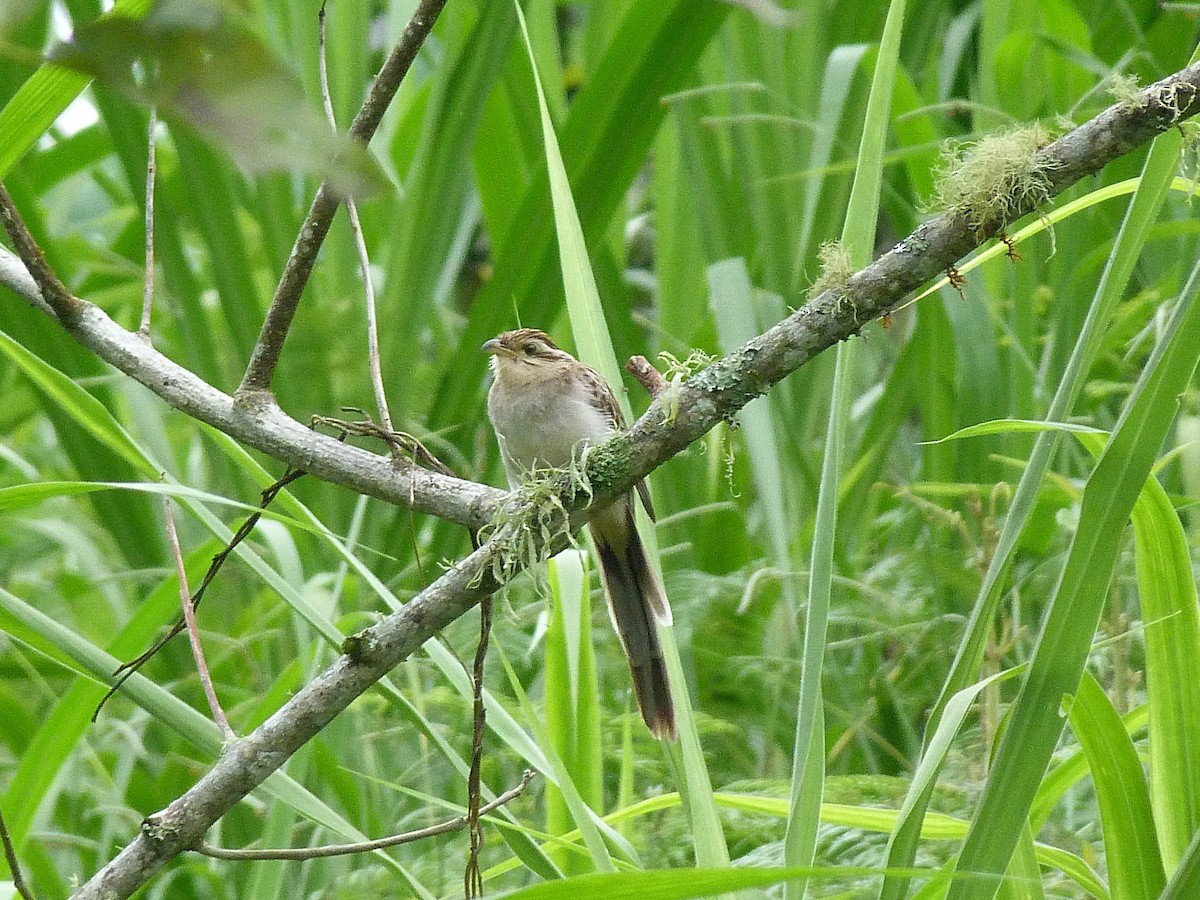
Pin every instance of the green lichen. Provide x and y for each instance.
(993, 181)
(531, 519)
(836, 269)
(601, 467)
(1126, 90)
(676, 369)
(676, 372)
(1175, 98)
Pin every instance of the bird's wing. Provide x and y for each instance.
(604, 398)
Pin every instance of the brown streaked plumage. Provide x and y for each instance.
(544, 406)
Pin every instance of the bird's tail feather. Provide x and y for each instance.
(635, 600)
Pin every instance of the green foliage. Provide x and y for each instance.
(710, 159)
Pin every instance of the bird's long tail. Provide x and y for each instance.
(635, 599)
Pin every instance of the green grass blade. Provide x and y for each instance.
(1135, 869)
(611, 125)
(595, 348)
(729, 293)
(1167, 592)
(173, 712)
(858, 238)
(1071, 620)
(1185, 883)
(591, 828)
(40, 100)
(571, 690)
(1157, 175)
(81, 406)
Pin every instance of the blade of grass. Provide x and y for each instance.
(571, 690)
(41, 99)
(595, 348)
(858, 239)
(1074, 612)
(605, 137)
(171, 711)
(1156, 176)
(592, 829)
(1135, 869)
(1167, 592)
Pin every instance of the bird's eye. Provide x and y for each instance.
(531, 348)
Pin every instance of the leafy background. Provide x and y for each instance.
(710, 151)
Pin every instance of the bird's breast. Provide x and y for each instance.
(541, 426)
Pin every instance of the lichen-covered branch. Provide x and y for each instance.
(262, 424)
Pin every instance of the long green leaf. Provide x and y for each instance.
(858, 239)
(595, 348)
(571, 690)
(610, 126)
(1135, 869)
(41, 99)
(1167, 592)
(1157, 174)
(1075, 609)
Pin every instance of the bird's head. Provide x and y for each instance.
(525, 349)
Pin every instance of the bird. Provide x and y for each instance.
(545, 407)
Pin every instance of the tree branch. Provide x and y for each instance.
(301, 853)
(677, 417)
(246, 763)
(262, 424)
(278, 321)
(53, 293)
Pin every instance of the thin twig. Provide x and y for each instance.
(189, 616)
(126, 670)
(151, 169)
(10, 855)
(278, 322)
(364, 261)
(473, 876)
(397, 440)
(300, 853)
(648, 376)
(66, 306)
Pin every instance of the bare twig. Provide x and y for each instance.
(472, 876)
(189, 616)
(10, 856)
(647, 376)
(396, 440)
(65, 306)
(299, 853)
(151, 168)
(126, 670)
(374, 365)
(278, 322)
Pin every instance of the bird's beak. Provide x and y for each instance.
(493, 347)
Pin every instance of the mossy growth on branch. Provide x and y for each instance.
(1125, 90)
(836, 269)
(995, 180)
(530, 520)
(677, 371)
(534, 521)
(1175, 98)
